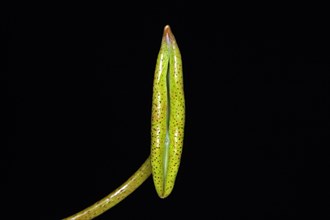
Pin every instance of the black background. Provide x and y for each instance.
(79, 85)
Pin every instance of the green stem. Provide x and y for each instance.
(116, 196)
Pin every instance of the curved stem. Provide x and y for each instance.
(117, 195)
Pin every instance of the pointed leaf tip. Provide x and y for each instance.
(168, 35)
